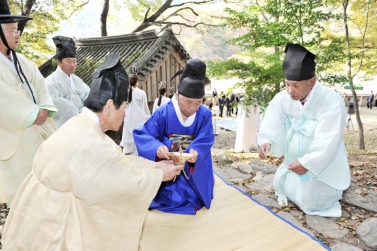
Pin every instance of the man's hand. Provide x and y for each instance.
(168, 169)
(264, 149)
(162, 152)
(41, 117)
(296, 167)
(195, 156)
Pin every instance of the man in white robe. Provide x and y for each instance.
(305, 123)
(68, 91)
(25, 108)
(83, 193)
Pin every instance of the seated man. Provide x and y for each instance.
(68, 91)
(305, 122)
(182, 122)
(83, 193)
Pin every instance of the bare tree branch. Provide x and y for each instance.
(363, 34)
(202, 2)
(183, 24)
(77, 9)
(262, 13)
(175, 13)
(146, 15)
(26, 9)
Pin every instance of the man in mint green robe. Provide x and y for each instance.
(68, 91)
(305, 123)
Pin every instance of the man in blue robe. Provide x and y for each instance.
(183, 122)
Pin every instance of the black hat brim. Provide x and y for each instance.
(4, 19)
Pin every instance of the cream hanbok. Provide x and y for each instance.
(19, 135)
(83, 194)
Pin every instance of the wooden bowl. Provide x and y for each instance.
(176, 157)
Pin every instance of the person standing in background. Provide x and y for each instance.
(232, 101)
(228, 106)
(160, 101)
(67, 91)
(214, 93)
(221, 105)
(26, 109)
(370, 100)
(237, 100)
(137, 113)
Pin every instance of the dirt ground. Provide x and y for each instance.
(363, 167)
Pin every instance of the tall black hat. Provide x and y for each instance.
(298, 63)
(6, 17)
(193, 79)
(65, 47)
(110, 79)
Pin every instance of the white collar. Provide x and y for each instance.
(9, 62)
(70, 79)
(91, 115)
(189, 120)
(309, 97)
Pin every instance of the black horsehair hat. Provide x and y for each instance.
(6, 17)
(298, 63)
(65, 47)
(193, 79)
(110, 75)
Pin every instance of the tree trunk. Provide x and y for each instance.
(105, 12)
(350, 78)
(25, 12)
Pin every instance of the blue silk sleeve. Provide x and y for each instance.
(202, 176)
(150, 136)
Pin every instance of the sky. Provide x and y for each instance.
(86, 23)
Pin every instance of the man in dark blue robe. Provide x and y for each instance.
(183, 122)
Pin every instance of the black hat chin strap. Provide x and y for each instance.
(4, 40)
(16, 64)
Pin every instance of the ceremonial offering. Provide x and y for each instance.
(180, 158)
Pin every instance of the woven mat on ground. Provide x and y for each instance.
(234, 222)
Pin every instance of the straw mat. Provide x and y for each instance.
(234, 222)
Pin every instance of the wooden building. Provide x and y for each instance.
(157, 54)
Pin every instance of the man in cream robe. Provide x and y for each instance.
(21, 108)
(83, 193)
(98, 201)
(307, 127)
(68, 91)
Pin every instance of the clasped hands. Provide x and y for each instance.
(294, 166)
(169, 170)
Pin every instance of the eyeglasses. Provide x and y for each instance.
(18, 32)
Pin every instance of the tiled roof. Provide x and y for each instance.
(142, 49)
